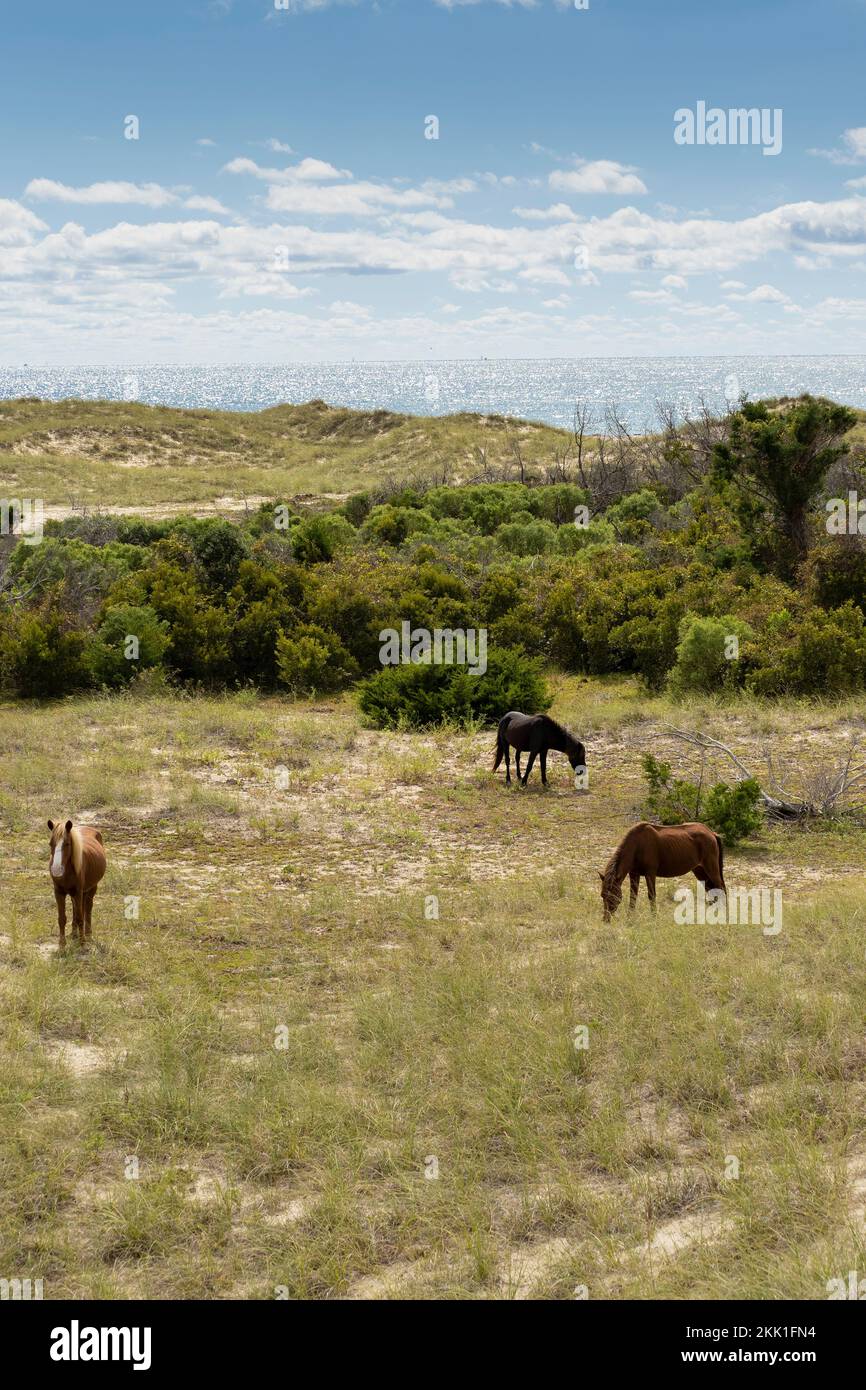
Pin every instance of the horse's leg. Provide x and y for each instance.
(634, 884)
(507, 765)
(78, 914)
(651, 889)
(60, 900)
(517, 762)
(88, 909)
(529, 768)
(542, 758)
(719, 870)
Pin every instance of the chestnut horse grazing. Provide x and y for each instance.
(77, 864)
(535, 734)
(662, 851)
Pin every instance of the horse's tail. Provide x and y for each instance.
(500, 745)
(498, 750)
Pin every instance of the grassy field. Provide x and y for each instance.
(157, 459)
(287, 1076)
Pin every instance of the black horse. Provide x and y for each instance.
(535, 734)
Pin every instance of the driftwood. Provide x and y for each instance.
(826, 791)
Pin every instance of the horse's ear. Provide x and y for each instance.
(68, 826)
(601, 876)
(51, 825)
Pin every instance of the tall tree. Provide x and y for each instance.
(777, 458)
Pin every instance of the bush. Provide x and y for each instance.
(42, 656)
(526, 537)
(669, 800)
(391, 525)
(422, 696)
(819, 653)
(311, 658)
(108, 651)
(733, 812)
(318, 538)
(702, 662)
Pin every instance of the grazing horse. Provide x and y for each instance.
(535, 734)
(662, 851)
(76, 866)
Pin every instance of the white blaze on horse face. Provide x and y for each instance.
(57, 861)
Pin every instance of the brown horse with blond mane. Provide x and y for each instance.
(661, 851)
(76, 866)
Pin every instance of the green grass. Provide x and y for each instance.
(329, 1093)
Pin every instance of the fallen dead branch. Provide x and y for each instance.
(826, 791)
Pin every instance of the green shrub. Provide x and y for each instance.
(811, 652)
(317, 539)
(702, 660)
(41, 655)
(108, 652)
(526, 537)
(670, 800)
(422, 696)
(391, 525)
(311, 658)
(732, 811)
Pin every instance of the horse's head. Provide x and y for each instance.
(61, 847)
(577, 757)
(611, 893)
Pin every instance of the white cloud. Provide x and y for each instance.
(597, 176)
(557, 212)
(106, 281)
(762, 294)
(201, 203)
(853, 148)
(348, 199)
(308, 171)
(653, 296)
(150, 195)
(18, 225)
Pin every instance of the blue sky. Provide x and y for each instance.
(281, 201)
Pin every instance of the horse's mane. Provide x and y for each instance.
(77, 850)
(566, 733)
(612, 864)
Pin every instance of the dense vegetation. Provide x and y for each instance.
(698, 559)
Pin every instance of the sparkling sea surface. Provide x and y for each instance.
(529, 388)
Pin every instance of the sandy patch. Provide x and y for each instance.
(698, 1227)
(81, 1058)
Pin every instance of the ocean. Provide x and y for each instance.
(528, 388)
